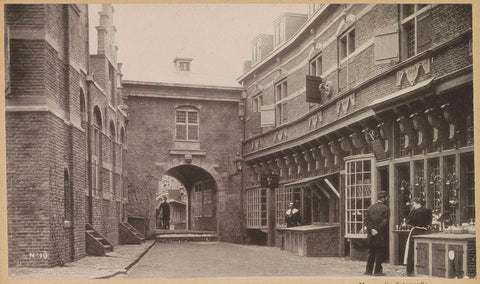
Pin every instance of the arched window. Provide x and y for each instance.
(186, 124)
(97, 126)
(122, 143)
(83, 110)
(112, 155)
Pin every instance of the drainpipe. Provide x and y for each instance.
(89, 123)
(242, 190)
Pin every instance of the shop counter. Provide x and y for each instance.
(445, 255)
(310, 240)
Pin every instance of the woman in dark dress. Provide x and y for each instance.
(420, 218)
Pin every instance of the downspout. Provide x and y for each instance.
(89, 123)
(242, 193)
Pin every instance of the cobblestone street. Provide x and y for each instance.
(216, 259)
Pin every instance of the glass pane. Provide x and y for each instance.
(359, 166)
(192, 132)
(366, 166)
(181, 131)
(408, 9)
(192, 117)
(181, 116)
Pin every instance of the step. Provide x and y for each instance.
(187, 239)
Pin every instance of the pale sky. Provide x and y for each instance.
(216, 36)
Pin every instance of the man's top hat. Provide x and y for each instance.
(382, 193)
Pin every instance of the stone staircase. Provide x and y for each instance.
(185, 236)
(129, 235)
(96, 244)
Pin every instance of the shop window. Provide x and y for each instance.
(184, 66)
(469, 130)
(281, 102)
(257, 208)
(419, 181)
(357, 194)
(283, 196)
(469, 169)
(186, 124)
(415, 29)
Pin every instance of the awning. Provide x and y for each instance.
(401, 94)
(322, 182)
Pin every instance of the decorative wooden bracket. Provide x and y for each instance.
(281, 165)
(450, 118)
(358, 140)
(318, 157)
(300, 162)
(406, 128)
(307, 154)
(420, 126)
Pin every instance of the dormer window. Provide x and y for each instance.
(182, 64)
(279, 32)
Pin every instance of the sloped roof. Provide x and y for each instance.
(188, 78)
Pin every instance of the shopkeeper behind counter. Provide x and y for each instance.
(420, 218)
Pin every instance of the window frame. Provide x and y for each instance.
(281, 99)
(187, 124)
(256, 216)
(349, 51)
(358, 226)
(257, 102)
(412, 20)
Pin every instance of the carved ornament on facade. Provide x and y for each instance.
(315, 121)
(280, 136)
(344, 105)
(412, 71)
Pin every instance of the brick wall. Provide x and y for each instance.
(151, 135)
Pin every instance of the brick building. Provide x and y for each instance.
(65, 133)
(357, 99)
(187, 126)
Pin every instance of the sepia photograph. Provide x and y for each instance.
(240, 141)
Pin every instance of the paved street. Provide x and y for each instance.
(216, 259)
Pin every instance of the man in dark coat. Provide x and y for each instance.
(292, 216)
(376, 221)
(165, 214)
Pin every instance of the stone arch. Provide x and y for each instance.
(202, 195)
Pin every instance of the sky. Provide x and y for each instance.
(216, 36)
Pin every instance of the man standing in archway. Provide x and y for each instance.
(164, 213)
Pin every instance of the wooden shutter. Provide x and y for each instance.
(312, 92)
(267, 115)
(386, 45)
(7, 59)
(423, 32)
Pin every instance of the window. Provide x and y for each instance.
(357, 194)
(469, 187)
(346, 75)
(202, 199)
(416, 29)
(257, 208)
(97, 126)
(347, 44)
(184, 66)
(257, 103)
(469, 129)
(283, 196)
(281, 103)
(186, 125)
(256, 52)
(279, 32)
(316, 66)
(111, 83)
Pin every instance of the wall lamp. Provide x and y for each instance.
(238, 164)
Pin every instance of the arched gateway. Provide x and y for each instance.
(201, 189)
(191, 132)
